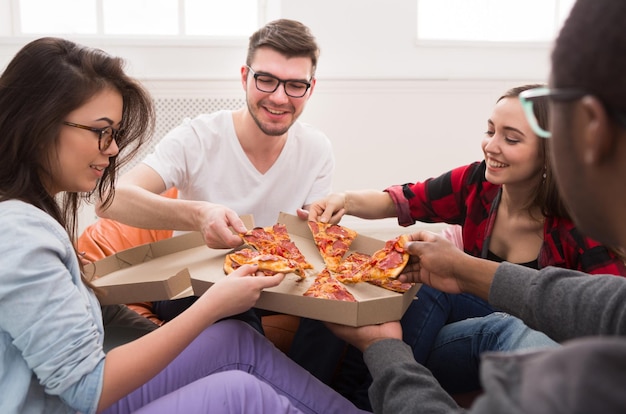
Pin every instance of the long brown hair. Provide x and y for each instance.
(547, 197)
(46, 80)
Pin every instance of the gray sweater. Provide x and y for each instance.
(583, 376)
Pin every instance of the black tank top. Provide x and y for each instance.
(534, 264)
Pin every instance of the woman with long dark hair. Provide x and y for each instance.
(69, 117)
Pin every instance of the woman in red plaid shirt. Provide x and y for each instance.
(509, 209)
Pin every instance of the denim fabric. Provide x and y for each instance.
(448, 333)
(455, 355)
(432, 310)
(51, 333)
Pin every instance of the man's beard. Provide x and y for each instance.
(263, 128)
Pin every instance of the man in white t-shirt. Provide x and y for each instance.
(206, 159)
(257, 160)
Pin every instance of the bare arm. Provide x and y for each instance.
(138, 203)
(367, 204)
(131, 365)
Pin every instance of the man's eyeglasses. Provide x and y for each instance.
(269, 83)
(528, 97)
(106, 135)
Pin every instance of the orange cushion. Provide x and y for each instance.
(280, 329)
(106, 237)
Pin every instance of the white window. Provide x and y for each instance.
(139, 17)
(490, 20)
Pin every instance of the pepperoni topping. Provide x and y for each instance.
(390, 261)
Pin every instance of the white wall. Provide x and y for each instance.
(396, 110)
(360, 39)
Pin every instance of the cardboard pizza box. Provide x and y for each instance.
(374, 304)
(153, 271)
(184, 265)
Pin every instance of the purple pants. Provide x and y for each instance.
(231, 368)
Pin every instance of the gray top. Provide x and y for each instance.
(583, 376)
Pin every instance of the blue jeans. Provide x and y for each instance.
(454, 358)
(431, 311)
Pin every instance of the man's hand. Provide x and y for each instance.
(432, 261)
(215, 222)
(440, 264)
(363, 336)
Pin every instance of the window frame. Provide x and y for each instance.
(483, 44)
(267, 10)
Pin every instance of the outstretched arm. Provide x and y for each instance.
(138, 203)
(367, 204)
(131, 365)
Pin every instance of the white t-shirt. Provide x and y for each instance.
(202, 157)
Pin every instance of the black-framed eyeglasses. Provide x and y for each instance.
(528, 97)
(106, 135)
(269, 83)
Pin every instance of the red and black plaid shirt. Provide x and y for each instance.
(463, 196)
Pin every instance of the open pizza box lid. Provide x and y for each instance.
(153, 271)
(184, 265)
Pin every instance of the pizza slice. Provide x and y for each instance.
(325, 286)
(332, 241)
(269, 264)
(275, 240)
(391, 284)
(264, 239)
(388, 262)
(384, 264)
(350, 269)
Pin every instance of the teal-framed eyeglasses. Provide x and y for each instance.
(528, 97)
(106, 135)
(269, 83)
